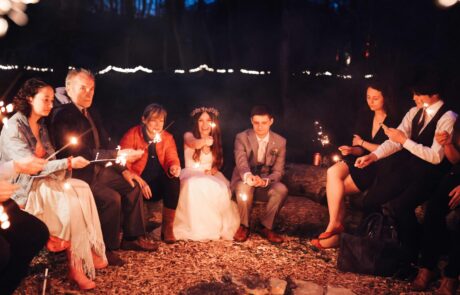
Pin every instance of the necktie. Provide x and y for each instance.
(261, 151)
(93, 128)
(421, 122)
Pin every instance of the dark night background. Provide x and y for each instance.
(396, 40)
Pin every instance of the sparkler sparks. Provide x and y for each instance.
(322, 137)
(4, 218)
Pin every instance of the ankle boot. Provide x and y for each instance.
(99, 261)
(77, 275)
(167, 233)
(448, 286)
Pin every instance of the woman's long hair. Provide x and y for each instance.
(216, 148)
(387, 93)
(28, 90)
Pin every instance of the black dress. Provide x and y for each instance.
(364, 177)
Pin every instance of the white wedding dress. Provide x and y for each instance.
(205, 210)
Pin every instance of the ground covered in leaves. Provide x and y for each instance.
(214, 267)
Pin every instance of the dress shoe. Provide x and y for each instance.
(271, 236)
(448, 286)
(114, 259)
(242, 234)
(424, 277)
(140, 244)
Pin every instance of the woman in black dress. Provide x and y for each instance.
(441, 230)
(343, 178)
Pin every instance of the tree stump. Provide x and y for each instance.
(306, 180)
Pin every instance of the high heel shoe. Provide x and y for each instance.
(328, 234)
(99, 261)
(330, 244)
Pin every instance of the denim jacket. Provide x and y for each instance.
(17, 142)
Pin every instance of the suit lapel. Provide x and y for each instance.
(270, 146)
(254, 146)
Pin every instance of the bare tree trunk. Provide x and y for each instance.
(175, 8)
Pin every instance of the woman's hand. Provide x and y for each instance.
(443, 138)
(211, 171)
(6, 190)
(455, 195)
(357, 140)
(365, 161)
(345, 150)
(174, 170)
(209, 141)
(79, 162)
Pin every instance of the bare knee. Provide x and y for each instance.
(337, 171)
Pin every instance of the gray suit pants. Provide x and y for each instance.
(275, 195)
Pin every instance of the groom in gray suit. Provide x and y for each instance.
(259, 157)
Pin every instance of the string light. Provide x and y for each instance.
(125, 70)
(202, 67)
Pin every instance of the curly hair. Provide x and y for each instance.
(216, 148)
(29, 89)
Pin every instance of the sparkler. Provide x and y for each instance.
(323, 138)
(335, 158)
(45, 279)
(157, 136)
(73, 141)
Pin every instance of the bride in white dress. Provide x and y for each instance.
(205, 210)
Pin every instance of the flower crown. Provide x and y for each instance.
(203, 110)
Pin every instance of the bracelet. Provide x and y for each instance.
(69, 163)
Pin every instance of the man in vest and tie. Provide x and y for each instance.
(422, 163)
(260, 155)
(118, 197)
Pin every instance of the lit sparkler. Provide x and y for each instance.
(157, 137)
(335, 158)
(322, 137)
(243, 197)
(73, 141)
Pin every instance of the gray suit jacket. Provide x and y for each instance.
(245, 151)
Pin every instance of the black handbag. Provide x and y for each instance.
(375, 248)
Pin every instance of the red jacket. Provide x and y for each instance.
(166, 150)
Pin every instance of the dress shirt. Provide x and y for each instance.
(433, 154)
(263, 142)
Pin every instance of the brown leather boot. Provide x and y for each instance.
(448, 286)
(271, 236)
(167, 233)
(424, 277)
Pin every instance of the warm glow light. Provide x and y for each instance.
(5, 122)
(335, 158)
(9, 108)
(447, 3)
(67, 185)
(212, 124)
(73, 140)
(243, 197)
(3, 26)
(3, 217)
(5, 224)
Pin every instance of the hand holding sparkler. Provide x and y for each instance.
(345, 150)
(79, 162)
(366, 160)
(443, 138)
(174, 170)
(128, 156)
(208, 141)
